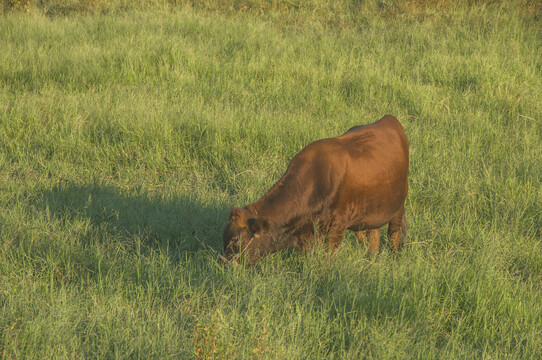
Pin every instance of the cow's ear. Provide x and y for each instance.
(258, 226)
(235, 212)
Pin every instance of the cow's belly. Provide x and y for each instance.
(371, 210)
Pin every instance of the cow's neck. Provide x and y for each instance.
(279, 206)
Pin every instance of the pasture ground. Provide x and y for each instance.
(128, 129)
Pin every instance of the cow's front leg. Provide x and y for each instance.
(335, 236)
(305, 239)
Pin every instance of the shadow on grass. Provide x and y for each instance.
(179, 223)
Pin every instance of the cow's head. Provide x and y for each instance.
(246, 238)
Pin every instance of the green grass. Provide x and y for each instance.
(128, 130)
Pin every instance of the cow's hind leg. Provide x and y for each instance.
(361, 235)
(372, 236)
(397, 230)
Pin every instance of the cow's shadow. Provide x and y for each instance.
(182, 224)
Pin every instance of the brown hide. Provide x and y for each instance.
(356, 181)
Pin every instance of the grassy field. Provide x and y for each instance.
(128, 130)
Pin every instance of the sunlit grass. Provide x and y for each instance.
(125, 137)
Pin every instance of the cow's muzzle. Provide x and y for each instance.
(231, 262)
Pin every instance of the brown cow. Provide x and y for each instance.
(356, 181)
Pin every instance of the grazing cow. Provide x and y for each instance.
(356, 181)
